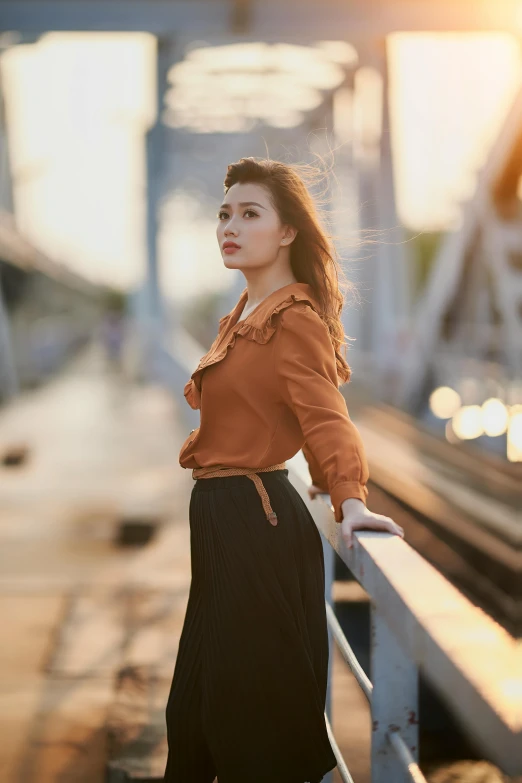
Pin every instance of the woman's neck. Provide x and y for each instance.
(258, 291)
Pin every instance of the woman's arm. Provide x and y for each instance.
(306, 370)
(318, 480)
(307, 373)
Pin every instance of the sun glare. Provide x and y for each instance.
(79, 106)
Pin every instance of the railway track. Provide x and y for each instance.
(460, 507)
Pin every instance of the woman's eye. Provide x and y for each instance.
(225, 214)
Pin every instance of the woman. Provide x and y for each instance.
(248, 693)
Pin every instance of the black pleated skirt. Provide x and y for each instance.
(247, 699)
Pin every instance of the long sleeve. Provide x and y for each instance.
(314, 468)
(306, 370)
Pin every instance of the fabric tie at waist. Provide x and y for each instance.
(252, 474)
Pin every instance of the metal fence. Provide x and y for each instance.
(419, 622)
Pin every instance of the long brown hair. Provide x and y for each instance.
(313, 255)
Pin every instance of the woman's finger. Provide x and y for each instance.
(384, 524)
(313, 491)
(395, 528)
(374, 523)
(392, 526)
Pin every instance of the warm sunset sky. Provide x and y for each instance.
(78, 106)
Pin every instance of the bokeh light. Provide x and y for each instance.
(514, 434)
(495, 417)
(444, 402)
(467, 422)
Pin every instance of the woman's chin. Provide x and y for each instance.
(233, 263)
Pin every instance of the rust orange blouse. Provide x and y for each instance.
(267, 387)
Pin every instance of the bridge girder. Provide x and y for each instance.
(358, 20)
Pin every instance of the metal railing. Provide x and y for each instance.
(419, 622)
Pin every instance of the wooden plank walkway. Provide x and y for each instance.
(93, 628)
(76, 609)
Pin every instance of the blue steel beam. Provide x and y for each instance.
(266, 19)
(359, 18)
(160, 17)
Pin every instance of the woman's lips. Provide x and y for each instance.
(231, 249)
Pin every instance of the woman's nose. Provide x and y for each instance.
(230, 227)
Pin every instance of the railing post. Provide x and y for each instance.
(9, 386)
(394, 702)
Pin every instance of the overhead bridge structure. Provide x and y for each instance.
(438, 637)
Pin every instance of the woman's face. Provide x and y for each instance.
(248, 219)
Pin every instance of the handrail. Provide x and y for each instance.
(341, 763)
(411, 767)
(405, 756)
(420, 621)
(348, 654)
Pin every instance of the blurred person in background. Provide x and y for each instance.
(248, 693)
(112, 332)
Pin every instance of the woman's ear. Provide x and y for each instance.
(289, 235)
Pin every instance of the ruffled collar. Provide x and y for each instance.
(258, 326)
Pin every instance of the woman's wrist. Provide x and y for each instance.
(350, 506)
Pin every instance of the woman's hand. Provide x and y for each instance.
(356, 516)
(313, 491)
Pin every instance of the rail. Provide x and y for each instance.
(420, 622)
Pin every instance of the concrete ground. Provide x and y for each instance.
(100, 450)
